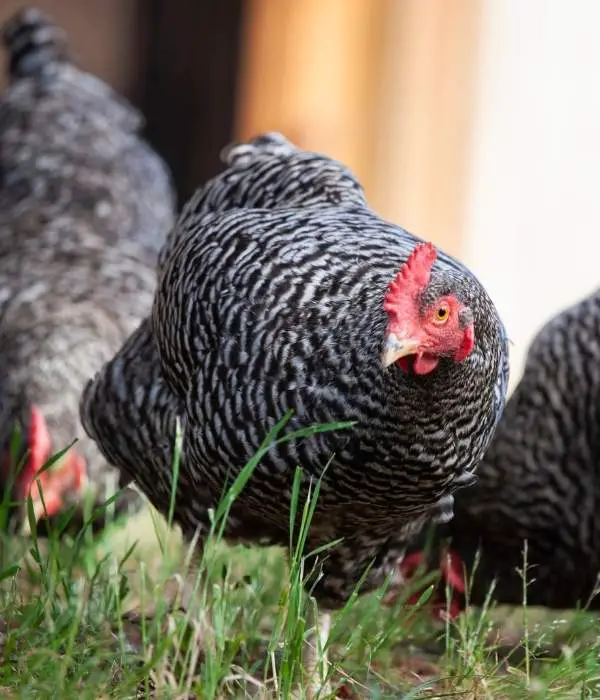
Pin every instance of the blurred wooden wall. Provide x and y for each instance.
(383, 85)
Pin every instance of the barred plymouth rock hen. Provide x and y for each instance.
(279, 289)
(85, 205)
(539, 479)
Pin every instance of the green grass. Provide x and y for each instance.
(63, 633)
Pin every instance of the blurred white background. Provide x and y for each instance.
(533, 213)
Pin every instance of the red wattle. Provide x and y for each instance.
(425, 363)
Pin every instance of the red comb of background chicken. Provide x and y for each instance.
(452, 577)
(413, 276)
(66, 477)
(40, 445)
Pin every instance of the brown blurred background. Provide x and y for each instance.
(333, 75)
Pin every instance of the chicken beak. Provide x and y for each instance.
(394, 348)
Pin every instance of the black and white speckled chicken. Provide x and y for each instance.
(85, 205)
(539, 480)
(279, 289)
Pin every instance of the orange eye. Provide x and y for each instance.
(441, 313)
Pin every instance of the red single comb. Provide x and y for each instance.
(65, 478)
(39, 451)
(413, 276)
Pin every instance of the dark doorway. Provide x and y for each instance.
(190, 84)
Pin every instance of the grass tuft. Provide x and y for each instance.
(71, 627)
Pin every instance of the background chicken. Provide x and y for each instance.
(280, 289)
(539, 479)
(84, 206)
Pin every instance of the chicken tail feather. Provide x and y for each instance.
(34, 44)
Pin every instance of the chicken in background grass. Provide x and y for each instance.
(279, 289)
(539, 482)
(85, 205)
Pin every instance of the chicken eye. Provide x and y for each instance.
(441, 314)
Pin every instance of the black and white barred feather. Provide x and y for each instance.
(540, 479)
(85, 205)
(270, 299)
